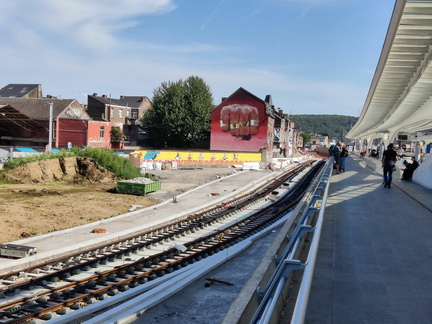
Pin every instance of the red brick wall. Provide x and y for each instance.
(71, 130)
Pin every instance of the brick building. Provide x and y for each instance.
(25, 122)
(127, 111)
(245, 123)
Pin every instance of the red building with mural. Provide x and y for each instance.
(245, 123)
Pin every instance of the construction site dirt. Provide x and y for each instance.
(29, 209)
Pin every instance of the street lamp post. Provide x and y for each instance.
(50, 126)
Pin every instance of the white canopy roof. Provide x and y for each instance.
(399, 99)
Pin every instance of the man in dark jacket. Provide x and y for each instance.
(336, 156)
(388, 162)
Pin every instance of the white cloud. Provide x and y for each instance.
(90, 24)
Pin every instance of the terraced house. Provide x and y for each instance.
(25, 116)
(126, 110)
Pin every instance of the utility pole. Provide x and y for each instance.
(50, 126)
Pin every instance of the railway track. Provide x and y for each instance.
(50, 290)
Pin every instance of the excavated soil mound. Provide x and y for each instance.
(70, 169)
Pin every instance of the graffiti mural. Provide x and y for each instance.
(151, 155)
(241, 121)
(199, 158)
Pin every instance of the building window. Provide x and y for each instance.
(112, 112)
(134, 114)
(120, 113)
(127, 113)
(102, 132)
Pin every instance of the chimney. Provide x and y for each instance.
(104, 96)
(95, 94)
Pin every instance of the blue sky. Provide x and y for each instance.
(311, 56)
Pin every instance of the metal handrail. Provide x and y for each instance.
(273, 291)
(300, 308)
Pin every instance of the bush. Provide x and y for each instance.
(106, 158)
(120, 166)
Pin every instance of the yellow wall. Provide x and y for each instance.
(198, 156)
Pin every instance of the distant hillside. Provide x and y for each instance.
(332, 125)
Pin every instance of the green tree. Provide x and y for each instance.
(116, 134)
(306, 138)
(180, 114)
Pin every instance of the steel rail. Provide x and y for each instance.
(56, 307)
(188, 256)
(139, 304)
(148, 237)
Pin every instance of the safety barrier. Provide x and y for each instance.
(287, 263)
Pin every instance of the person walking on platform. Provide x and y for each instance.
(343, 155)
(389, 164)
(336, 156)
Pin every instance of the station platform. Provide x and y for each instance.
(375, 254)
